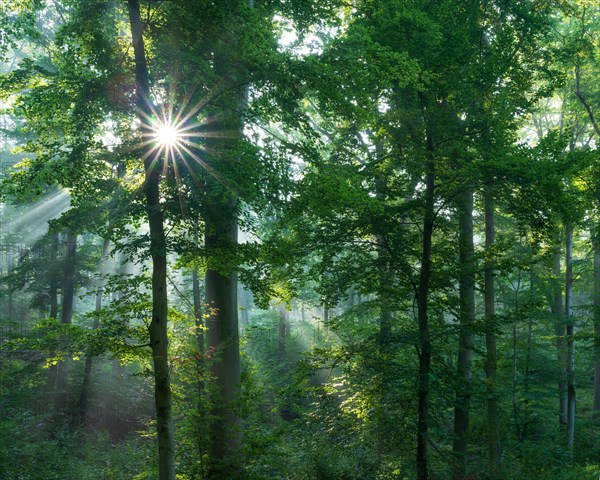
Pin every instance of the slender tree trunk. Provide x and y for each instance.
(87, 369)
(53, 292)
(200, 371)
(528, 352)
(494, 453)
(422, 460)
(465, 342)
(158, 325)
(515, 331)
(53, 283)
(596, 247)
(558, 312)
(10, 266)
(325, 320)
(68, 294)
(244, 305)
(198, 320)
(383, 264)
(570, 338)
(283, 330)
(385, 311)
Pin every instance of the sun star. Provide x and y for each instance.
(167, 135)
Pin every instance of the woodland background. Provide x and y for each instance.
(370, 251)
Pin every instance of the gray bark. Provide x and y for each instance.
(424, 344)
(570, 338)
(158, 325)
(559, 330)
(283, 330)
(66, 316)
(221, 237)
(596, 247)
(491, 361)
(87, 369)
(465, 342)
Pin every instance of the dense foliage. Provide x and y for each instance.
(299, 239)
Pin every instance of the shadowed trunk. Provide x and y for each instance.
(53, 292)
(87, 369)
(221, 238)
(559, 331)
(66, 316)
(284, 329)
(198, 320)
(10, 266)
(223, 343)
(596, 246)
(158, 249)
(422, 460)
(465, 341)
(570, 338)
(491, 360)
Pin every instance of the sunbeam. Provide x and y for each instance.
(33, 224)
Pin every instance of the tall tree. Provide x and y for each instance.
(66, 317)
(159, 340)
(491, 363)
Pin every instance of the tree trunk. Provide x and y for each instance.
(383, 263)
(198, 320)
(66, 316)
(494, 453)
(53, 283)
(385, 311)
(221, 238)
(515, 331)
(158, 325)
(283, 330)
(596, 247)
(53, 292)
(559, 330)
(528, 353)
(465, 342)
(570, 338)
(223, 343)
(422, 460)
(10, 266)
(87, 369)
(244, 305)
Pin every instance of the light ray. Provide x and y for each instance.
(32, 224)
(224, 134)
(216, 175)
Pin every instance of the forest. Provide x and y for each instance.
(299, 239)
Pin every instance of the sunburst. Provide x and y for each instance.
(167, 135)
(174, 138)
(175, 135)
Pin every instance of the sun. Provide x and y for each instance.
(173, 138)
(167, 135)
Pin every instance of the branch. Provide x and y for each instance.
(585, 104)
